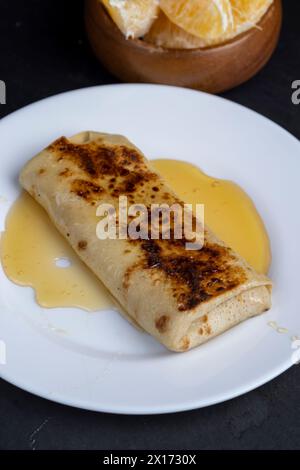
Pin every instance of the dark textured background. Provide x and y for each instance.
(43, 51)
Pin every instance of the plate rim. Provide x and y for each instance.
(214, 97)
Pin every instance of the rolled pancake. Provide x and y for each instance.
(179, 296)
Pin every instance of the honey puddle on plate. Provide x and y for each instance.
(33, 253)
(228, 210)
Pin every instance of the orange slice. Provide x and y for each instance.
(245, 15)
(133, 17)
(163, 33)
(206, 19)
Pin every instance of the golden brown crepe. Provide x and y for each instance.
(181, 297)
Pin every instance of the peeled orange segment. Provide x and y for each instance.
(206, 19)
(247, 13)
(133, 17)
(163, 33)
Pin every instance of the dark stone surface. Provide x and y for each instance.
(43, 51)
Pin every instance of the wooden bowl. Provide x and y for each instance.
(213, 69)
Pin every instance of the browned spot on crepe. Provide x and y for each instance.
(195, 276)
(162, 323)
(125, 165)
(185, 343)
(82, 245)
(127, 275)
(205, 330)
(86, 189)
(208, 329)
(65, 173)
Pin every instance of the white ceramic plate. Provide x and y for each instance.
(101, 362)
